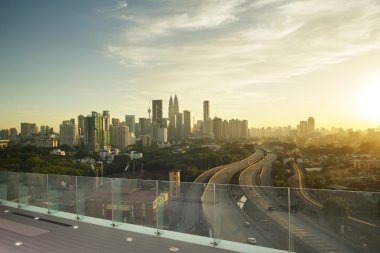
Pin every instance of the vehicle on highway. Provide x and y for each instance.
(271, 208)
(247, 224)
(252, 240)
(257, 195)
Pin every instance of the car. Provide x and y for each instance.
(247, 224)
(252, 240)
(257, 195)
(271, 208)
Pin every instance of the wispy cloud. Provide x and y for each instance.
(241, 43)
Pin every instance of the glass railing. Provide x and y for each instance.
(240, 218)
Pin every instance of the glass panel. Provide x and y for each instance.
(138, 198)
(210, 214)
(80, 197)
(183, 213)
(162, 198)
(3, 187)
(116, 202)
(266, 215)
(12, 189)
(23, 190)
(98, 197)
(52, 193)
(36, 184)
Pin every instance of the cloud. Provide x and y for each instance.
(242, 43)
(121, 4)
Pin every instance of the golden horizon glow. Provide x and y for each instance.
(368, 101)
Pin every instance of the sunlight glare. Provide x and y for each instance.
(368, 102)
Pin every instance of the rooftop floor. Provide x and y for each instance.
(54, 234)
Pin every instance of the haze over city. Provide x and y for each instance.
(269, 62)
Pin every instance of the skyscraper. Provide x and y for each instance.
(28, 129)
(130, 121)
(176, 105)
(186, 123)
(310, 125)
(206, 110)
(93, 134)
(68, 133)
(217, 127)
(157, 112)
(106, 128)
(81, 124)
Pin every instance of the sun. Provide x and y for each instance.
(368, 102)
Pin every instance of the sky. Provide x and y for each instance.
(271, 62)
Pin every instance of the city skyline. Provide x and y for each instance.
(269, 62)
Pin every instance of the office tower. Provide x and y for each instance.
(81, 119)
(13, 134)
(310, 125)
(179, 125)
(115, 122)
(106, 128)
(244, 129)
(186, 124)
(171, 108)
(4, 134)
(28, 130)
(217, 127)
(130, 121)
(120, 136)
(162, 135)
(176, 105)
(68, 133)
(44, 130)
(137, 129)
(145, 126)
(303, 128)
(225, 130)
(206, 110)
(93, 134)
(157, 112)
(171, 114)
(232, 125)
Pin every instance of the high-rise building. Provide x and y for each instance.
(130, 121)
(13, 134)
(93, 134)
(4, 134)
(28, 130)
(310, 125)
(186, 123)
(225, 130)
(244, 129)
(176, 105)
(106, 128)
(157, 112)
(206, 110)
(115, 122)
(179, 125)
(217, 127)
(303, 128)
(81, 129)
(120, 136)
(162, 135)
(172, 116)
(68, 133)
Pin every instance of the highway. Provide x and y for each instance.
(221, 211)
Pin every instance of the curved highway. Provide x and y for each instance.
(222, 213)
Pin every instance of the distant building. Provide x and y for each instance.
(68, 133)
(81, 124)
(120, 136)
(28, 130)
(217, 128)
(4, 134)
(157, 112)
(106, 129)
(162, 135)
(115, 121)
(46, 143)
(130, 121)
(206, 110)
(186, 124)
(93, 134)
(174, 183)
(310, 125)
